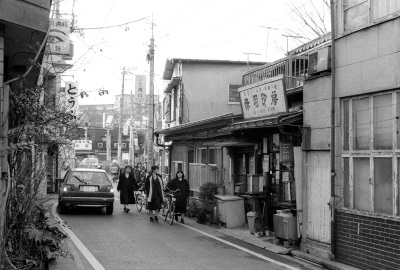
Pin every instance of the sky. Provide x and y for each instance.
(195, 29)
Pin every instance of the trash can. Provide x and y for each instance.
(251, 219)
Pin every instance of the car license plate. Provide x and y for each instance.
(88, 188)
(173, 199)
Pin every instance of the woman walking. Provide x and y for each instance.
(179, 182)
(126, 186)
(154, 190)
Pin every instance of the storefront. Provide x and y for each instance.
(267, 173)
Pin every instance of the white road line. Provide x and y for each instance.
(88, 255)
(241, 248)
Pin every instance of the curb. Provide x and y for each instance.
(333, 265)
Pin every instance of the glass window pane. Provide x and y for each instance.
(383, 187)
(362, 196)
(191, 156)
(211, 156)
(398, 186)
(398, 120)
(382, 8)
(346, 183)
(383, 122)
(361, 124)
(204, 156)
(356, 16)
(346, 125)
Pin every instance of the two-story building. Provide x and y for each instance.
(352, 205)
(197, 90)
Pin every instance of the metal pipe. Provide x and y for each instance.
(333, 96)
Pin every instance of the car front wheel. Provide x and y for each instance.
(110, 209)
(62, 208)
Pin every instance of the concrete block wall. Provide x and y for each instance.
(367, 242)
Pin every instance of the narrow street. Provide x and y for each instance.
(130, 241)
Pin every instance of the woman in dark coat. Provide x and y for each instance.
(153, 188)
(126, 186)
(183, 185)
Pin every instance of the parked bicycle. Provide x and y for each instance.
(141, 199)
(170, 204)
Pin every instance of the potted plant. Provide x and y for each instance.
(220, 178)
(192, 209)
(206, 195)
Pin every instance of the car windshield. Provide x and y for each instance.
(88, 178)
(93, 161)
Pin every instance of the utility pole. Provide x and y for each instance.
(120, 118)
(131, 135)
(249, 58)
(150, 128)
(266, 50)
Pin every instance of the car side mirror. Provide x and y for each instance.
(60, 180)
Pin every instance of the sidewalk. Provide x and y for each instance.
(266, 242)
(75, 260)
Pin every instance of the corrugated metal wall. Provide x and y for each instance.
(318, 195)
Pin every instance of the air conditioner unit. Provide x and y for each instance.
(319, 61)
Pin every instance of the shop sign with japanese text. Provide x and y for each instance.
(71, 93)
(82, 144)
(286, 152)
(264, 98)
(59, 41)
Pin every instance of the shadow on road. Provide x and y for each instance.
(84, 211)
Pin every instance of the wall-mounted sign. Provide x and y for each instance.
(59, 42)
(286, 151)
(82, 144)
(264, 98)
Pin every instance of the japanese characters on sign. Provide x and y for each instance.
(82, 144)
(59, 42)
(286, 152)
(71, 92)
(264, 98)
(140, 86)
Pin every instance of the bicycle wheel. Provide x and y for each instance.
(172, 209)
(166, 211)
(139, 203)
(164, 208)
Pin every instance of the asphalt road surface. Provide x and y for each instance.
(130, 241)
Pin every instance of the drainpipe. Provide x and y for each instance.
(333, 173)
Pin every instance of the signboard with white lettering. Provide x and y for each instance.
(265, 98)
(82, 144)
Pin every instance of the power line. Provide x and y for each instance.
(112, 26)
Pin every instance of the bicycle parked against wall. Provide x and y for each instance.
(172, 196)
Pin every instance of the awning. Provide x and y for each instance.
(172, 84)
(272, 121)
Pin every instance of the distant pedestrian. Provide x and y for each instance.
(183, 185)
(137, 172)
(155, 194)
(126, 186)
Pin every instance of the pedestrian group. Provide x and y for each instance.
(130, 180)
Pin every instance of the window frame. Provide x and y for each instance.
(341, 17)
(371, 153)
(229, 94)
